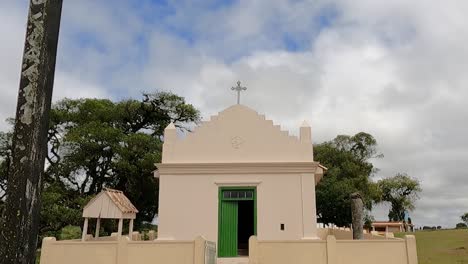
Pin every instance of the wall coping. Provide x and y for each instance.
(238, 168)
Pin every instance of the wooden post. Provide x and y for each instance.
(85, 229)
(357, 210)
(130, 229)
(119, 231)
(19, 228)
(98, 227)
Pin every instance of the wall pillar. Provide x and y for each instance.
(98, 226)
(331, 250)
(119, 231)
(253, 250)
(411, 251)
(45, 250)
(309, 211)
(85, 229)
(199, 250)
(122, 250)
(130, 229)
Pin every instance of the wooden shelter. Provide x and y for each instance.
(109, 204)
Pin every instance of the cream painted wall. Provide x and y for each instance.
(189, 205)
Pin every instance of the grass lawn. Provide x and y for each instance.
(441, 246)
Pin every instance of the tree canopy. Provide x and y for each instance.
(5, 156)
(350, 170)
(464, 218)
(401, 191)
(97, 143)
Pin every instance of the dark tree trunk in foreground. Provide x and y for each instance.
(357, 212)
(19, 230)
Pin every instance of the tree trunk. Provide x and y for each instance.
(357, 212)
(19, 231)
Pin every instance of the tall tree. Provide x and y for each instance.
(401, 191)
(5, 159)
(97, 143)
(350, 170)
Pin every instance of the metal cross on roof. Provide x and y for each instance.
(239, 89)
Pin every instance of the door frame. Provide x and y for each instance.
(220, 200)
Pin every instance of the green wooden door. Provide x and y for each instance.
(228, 229)
(229, 198)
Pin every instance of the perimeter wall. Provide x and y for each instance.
(124, 251)
(332, 251)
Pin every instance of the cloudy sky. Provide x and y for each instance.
(396, 69)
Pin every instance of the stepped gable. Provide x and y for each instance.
(237, 134)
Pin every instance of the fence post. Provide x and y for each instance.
(253, 250)
(122, 250)
(199, 250)
(331, 250)
(411, 251)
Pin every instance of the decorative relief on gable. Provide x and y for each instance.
(237, 142)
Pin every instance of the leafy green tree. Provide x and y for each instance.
(368, 220)
(350, 170)
(5, 156)
(461, 226)
(99, 143)
(401, 191)
(464, 218)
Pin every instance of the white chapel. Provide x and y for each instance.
(235, 176)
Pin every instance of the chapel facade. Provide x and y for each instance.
(235, 176)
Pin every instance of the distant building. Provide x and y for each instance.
(390, 227)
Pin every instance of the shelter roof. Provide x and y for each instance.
(101, 205)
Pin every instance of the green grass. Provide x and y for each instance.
(441, 246)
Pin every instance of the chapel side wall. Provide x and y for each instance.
(189, 205)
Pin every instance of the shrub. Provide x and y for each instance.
(460, 226)
(70, 232)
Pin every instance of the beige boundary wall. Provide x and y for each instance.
(124, 251)
(347, 234)
(332, 251)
